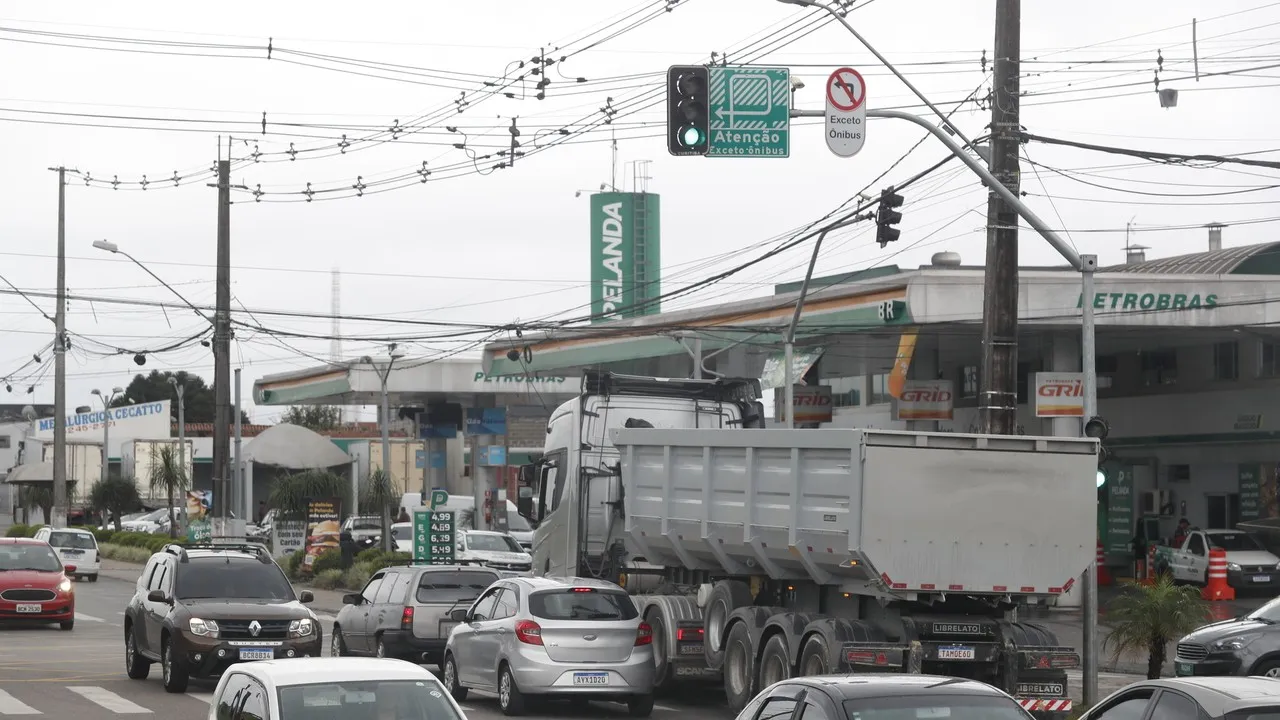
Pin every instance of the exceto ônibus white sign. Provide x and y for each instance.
(846, 116)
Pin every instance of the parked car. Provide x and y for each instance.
(366, 530)
(402, 536)
(570, 637)
(875, 696)
(199, 609)
(1249, 565)
(145, 523)
(75, 547)
(34, 586)
(1219, 698)
(405, 612)
(492, 549)
(332, 689)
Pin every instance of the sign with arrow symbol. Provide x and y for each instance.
(750, 110)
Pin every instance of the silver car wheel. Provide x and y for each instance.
(504, 688)
(450, 679)
(382, 649)
(164, 662)
(128, 650)
(1272, 672)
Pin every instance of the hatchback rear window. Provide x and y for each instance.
(582, 604)
(78, 541)
(447, 586)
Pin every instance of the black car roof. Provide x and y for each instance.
(866, 685)
(1223, 694)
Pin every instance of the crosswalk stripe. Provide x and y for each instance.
(108, 700)
(206, 698)
(88, 618)
(10, 705)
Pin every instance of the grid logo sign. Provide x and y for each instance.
(750, 111)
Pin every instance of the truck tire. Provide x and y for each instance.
(663, 677)
(815, 657)
(739, 668)
(726, 596)
(775, 662)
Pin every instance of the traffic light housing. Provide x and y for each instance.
(887, 216)
(688, 118)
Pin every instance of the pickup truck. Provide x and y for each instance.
(1249, 565)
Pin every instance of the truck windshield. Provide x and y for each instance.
(78, 541)
(935, 707)
(239, 579)
(453, 587)
(400, 699)
(582, 604)
(1232, 541)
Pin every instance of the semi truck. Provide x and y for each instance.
(760, 554)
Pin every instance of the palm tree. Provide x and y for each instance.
(1146, 618)
(380, 495)
(168, 476)
(115, 495)
(290, 493)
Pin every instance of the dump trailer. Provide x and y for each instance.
(760, 554)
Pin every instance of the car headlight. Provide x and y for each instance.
(302, 628)
(65, 586)
(1239, 642)
(203, 628)
(1235, 567)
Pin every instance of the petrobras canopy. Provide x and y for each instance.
(148, 421)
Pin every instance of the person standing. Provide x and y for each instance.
(1140, 554)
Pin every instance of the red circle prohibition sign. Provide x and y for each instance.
(840, 89)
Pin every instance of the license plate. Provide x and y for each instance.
(72, 552)
(956, 652)
(446, 628)
(591, 678)
(1184, 669)
(1262, 578)
(691, 649)
(30, 607)
(256, 654)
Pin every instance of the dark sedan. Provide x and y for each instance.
(1218, 698)
(1248, 645)
(882, 697)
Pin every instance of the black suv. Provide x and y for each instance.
(200, 608)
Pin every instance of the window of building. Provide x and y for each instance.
(879, 393)
(847, 391)
(1025, 371)
(1179, 473)
(1160, 368)
(1226, 361)
(1269, 360)
(969, 381)
(4, 442)
(1107, 364)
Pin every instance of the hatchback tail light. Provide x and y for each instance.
(529, 632)
(644, 636)
(406, 619)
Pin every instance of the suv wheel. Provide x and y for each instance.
(176, 672)
(381, 650)
(450, 673)
(337, 646)
(135, 665)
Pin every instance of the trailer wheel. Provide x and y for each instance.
(739, 668)
(775, 662)
(726, 596)
(662, 675)
(815, 659)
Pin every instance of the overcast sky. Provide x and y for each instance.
(496, 246)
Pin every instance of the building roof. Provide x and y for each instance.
(356, 431)
(1261, 259)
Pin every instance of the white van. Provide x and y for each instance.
(76, 547)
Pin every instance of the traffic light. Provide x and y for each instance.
(887, 217)
(688, 120)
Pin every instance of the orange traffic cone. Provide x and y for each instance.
(1216, 587)
(1150, 579)
(1104, 575)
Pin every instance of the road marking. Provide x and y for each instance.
(206, 698)
(10, 705)
(108, 700)
(88, 618)
(326, 618)
(664, 707)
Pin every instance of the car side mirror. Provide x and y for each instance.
(306, 596)
(69, 568)
(352, 599)
(157, 596)
(458, 616)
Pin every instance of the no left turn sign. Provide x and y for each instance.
(846, 116)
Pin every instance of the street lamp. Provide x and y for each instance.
(106, 424)
(115, 250)
(386, 434)
(182, 427)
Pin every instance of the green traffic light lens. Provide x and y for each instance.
(692, 137)
(1102, 478)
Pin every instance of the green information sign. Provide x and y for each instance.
(1120, 530)
(434, 537)
(1250, 477)
(750, 111)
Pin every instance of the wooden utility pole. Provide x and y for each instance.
(998, 398)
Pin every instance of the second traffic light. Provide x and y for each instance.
(688, 120)
(887, 216)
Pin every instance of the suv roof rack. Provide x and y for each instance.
(258, 551)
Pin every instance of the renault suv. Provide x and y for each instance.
(199, 609)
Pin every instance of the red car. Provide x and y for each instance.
(34, 585)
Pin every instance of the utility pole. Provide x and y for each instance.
(998, 399)
(222, 350)
(59, 519)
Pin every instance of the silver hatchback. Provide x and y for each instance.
(575, 637)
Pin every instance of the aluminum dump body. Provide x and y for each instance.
(871, 510)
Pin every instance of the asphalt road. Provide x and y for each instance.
(80, 674)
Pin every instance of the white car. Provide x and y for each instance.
(402, 535)
(332, 689)
(495, 550)
(75, 547)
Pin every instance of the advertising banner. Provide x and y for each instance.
(774, 374)
(813, 404)
(625, 261)
(199, 527)
(1249, 477)
(1059, 394)
(902, 362)
(288, 537)
(926, 400)
(434, 536)
(324, 518)
(486, 421)
(1120, 529)
(147, 421)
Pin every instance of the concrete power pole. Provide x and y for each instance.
(59, 519)
(222, 350)
(998, 399)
